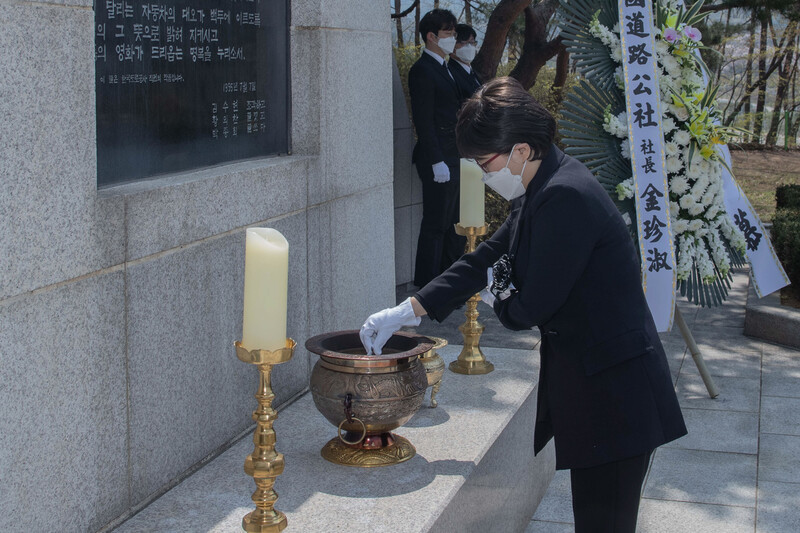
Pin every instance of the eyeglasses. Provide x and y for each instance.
(486, 163)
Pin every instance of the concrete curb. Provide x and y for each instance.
(765, 318)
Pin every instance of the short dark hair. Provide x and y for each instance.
(498, 116)
(464, 32)
(436, 20)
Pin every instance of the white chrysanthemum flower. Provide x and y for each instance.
(625, 148)
(672, 148)
(686, 249)
(679, 226)
(672, 66)
(625, 189)
(696, 209)
(682, 137)
(704, 265)
(674, 208)
(718, 252)
(616, 52)
(619, 77)
(695, 225)
(668, 125)
(686, 201)
(678, 185)
(733, 234)
(674, 164)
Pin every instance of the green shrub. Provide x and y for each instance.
(406, 56)
(787, 196)
(786, 240)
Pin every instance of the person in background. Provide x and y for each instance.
(460, 63)
(564, 262)
(434, 105)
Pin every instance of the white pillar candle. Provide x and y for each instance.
(266, 278)
(471, 210)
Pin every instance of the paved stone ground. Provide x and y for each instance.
(738, 469)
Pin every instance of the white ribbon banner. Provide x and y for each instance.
(647, 158)
(766, 270)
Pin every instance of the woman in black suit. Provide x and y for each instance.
(567, 265)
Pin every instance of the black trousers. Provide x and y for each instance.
(605, 498)
(438, 246)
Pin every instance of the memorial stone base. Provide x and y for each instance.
(474, 470)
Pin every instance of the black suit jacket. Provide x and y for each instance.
(467, 82)
(434, 105)
(605, 390)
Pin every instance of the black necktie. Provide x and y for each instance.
(447, 70)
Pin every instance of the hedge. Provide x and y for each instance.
(787, 196)
(786, 239)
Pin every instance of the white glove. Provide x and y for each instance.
(487, 297)
(381, 325)
(441, 174)
(486, 294)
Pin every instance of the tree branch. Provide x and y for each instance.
(536, 50)
(406, 12)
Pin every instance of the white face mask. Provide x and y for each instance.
(504, 183)
(467, 53)
(447, 44)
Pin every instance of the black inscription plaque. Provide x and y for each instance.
(187, 84)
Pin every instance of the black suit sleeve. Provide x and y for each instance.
(564, 231)
(422, 90)
(465, 277)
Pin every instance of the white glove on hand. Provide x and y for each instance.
(486, 294)
(441, 173)
(381, 325)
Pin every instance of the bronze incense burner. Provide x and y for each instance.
(366, 397)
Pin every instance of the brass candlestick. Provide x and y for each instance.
(471, 359)
(264, 464)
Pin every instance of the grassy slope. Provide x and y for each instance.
(759, 172)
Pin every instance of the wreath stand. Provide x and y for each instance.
(713, 392)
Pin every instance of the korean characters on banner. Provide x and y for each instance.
(647, 159)
(765, 269)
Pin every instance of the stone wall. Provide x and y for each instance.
(119, 307)
(407, 187)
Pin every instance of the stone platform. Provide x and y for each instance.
(474, 470)
(765, 318)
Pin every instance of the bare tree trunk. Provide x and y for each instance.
(416, 25)
(562, 70)
(724, 42)
(494, 41)
(790, 35)
(748, 76)
(794, 126)
(399, 21)
(784, 74)
(467, 12)
(536, 50)
(758, 128)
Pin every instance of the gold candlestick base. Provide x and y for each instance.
(471, 359)
(264, 464)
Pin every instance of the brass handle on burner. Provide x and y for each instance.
(363, 432)
(348, 414)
